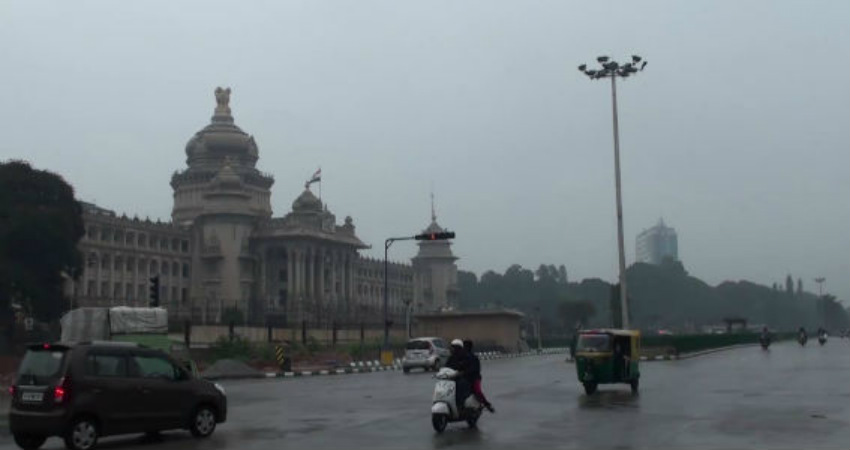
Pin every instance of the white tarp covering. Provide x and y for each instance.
(85, 324)
(99, 324)
(127, 320)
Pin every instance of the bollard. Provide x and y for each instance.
(230, 331)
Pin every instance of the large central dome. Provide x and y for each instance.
(221, 139)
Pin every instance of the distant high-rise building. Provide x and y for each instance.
(657, 243)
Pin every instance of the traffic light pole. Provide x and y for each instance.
(441, 236)
(387, 244)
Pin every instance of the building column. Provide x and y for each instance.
(320, 280)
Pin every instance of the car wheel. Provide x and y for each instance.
(82, 435)
(405, 370)
(439, 421)
(473, 421)
(635, 384)
(203, 422)
(29, 441)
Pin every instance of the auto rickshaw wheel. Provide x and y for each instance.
(635, 384)
(589, 388)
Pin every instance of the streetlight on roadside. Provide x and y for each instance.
(612, 69)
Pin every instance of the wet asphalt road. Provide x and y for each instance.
(789, 397)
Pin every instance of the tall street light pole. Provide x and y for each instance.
(612, 69)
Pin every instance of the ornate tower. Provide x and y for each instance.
(221, 197)
(434, 272)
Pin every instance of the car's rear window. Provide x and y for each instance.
(41, 366)
(418, 345)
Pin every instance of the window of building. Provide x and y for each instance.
(131, 264)
(104, 289)
(128, 291)
(129, 239)
(141, 240)
(174, 297)
(141, 292)
(184, 246)
(119, 263)
(164, 267)
(116, 290)
(104, 262)
(175, 269)
(185, 270)
(154, 268)
(91, 289)
(184, 295)
(152, 241)
(91, 261)
(118, 236)
(105, 234)
(174, 245)
(281, 275)
(163, 244)
(163, 293)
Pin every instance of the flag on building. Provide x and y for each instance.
(317, 177)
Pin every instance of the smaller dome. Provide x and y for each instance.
(434, 227)
(307, 201)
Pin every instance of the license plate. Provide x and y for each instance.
(32, 397)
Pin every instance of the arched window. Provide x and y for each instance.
(164, 268)
(154, 268)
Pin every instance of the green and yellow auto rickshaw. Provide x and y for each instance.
(608, 356)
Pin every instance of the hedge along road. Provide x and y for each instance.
(788, 397)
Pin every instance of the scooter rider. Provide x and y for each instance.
(474, 375)
(459, 362)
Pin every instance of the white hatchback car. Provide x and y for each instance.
(428, 353)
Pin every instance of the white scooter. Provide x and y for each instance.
(444, 408)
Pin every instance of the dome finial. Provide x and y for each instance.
(222, 105)
(433, 211)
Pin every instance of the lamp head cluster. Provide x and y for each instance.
(610, 68)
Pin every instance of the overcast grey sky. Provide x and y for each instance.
(736, 133)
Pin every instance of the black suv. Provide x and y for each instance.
(83, 391)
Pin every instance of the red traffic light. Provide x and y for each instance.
(442, 236)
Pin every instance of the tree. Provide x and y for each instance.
(572, 313)
(789, 285)
(562, 275)
(799, 287)
(40, 226)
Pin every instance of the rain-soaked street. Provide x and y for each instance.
(788, 397)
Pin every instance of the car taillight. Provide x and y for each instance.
(12, 391)
(60, 392)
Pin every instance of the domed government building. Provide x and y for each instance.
(225, 251)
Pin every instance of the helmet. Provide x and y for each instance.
(457, 342)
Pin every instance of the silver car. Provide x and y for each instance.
(428, 353)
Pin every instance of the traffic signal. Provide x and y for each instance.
(441, 236)
(154, 291)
